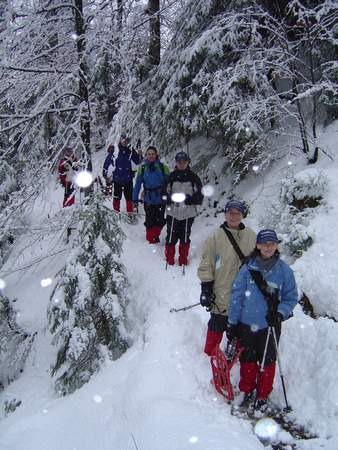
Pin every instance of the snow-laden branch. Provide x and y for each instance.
(35, 70)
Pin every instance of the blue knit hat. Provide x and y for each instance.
(267, 236)
(181, 156)
(236, 204)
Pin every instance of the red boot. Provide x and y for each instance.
(130, 206)
(116, 204)
(150, 235)
(213, 338)
(183, 251)
(157, 232)
(170, 254)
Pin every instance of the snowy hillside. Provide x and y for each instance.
(158, 395)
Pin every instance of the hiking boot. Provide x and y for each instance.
(245, 399)
(261, 405)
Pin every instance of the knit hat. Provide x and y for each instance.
(181, 156)
(267, 236)
(236, 204)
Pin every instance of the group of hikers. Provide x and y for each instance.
(245, 285)
(159, 187)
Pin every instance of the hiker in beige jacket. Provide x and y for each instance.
(218, 268)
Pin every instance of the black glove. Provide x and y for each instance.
(274, 318)
(189, 200)
(207, 294)
(231, 332)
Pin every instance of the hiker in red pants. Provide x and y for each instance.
(152, 175)
(264, 294)
(183, 195)
(219, 266)
(67, 166)
(123, 173)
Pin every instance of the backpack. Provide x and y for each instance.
(143, 168)
(62, 172)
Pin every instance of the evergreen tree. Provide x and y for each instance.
(15, 343)
(87, 307)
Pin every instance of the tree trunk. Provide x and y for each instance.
(154, 50)
(119, 15)
(83, 82)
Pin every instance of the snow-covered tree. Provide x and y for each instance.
(87, 306)
(233, 72)
(15, 343)
(300, 197)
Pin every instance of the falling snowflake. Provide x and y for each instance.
(84, 179)
(46, 282)
(266, 430)
(208, 190)
(178, 197)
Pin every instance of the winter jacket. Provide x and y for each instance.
(109, 161)
(220, 262)
(123, 169)
(188, 183)
(153, 177)
(67, 166)
(248, 305)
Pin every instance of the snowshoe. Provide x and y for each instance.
(221, 367)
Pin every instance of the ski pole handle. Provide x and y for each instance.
(185, 308)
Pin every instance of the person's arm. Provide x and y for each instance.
(197, 197)
(207, 267)
(138, 184)
(165, 193)
(289, 293)
(239, 287)
(107, 162)
(135, 157)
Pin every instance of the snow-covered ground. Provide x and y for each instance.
(158, 395)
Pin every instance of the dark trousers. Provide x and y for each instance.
(154, 215)
(126, 188)
(178, 230)
(254, 342)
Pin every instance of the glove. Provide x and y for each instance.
(231, 332)
(207, 294)
(274, 318)
(188, 200)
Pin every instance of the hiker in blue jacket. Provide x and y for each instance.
(251, 314)
(152, 175)
(123, 174)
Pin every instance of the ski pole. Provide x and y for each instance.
(287, 407)
(185, 308)
(261, 367)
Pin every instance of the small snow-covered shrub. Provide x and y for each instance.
(15, 343)
(87, 307)
(291, 217)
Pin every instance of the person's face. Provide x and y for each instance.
(151, 155)
(182, 164)
(267, 249)
(124, 142)
(233, 218)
